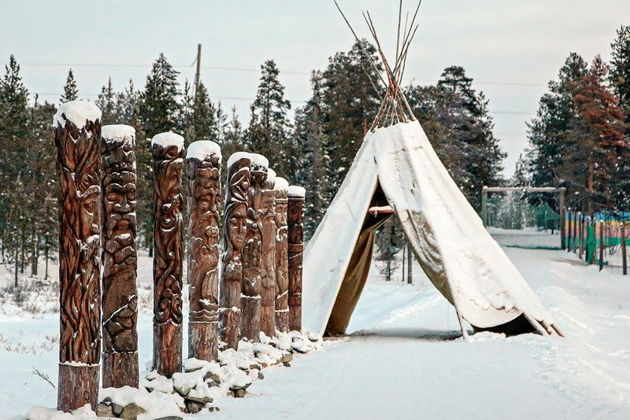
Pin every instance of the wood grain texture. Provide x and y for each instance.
(235, 231)
(252, 256)
(268, 289)
(204, 203)
(168, 259)
(295, 219)
(78, 168)
(282, 263)
(120, 263)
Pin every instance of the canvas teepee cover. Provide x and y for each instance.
(396, 164)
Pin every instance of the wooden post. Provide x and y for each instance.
(203, 164)
(77, 136)
(484, 206)
(282, 259)
(295, 220)
(561, 206)
(409, 263)
(624, 259)
(576, 216)
(168, 161)
(268, 291)
(120, 260)
(235, 229)
(601, 245)
(580, 234)
(569, 231)
(252, 251)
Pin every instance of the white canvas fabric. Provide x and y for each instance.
(447, 236)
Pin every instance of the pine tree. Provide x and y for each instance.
(620, 81)
(269, 130)
(159, 108)
(589, 160)
(313, 160)
(473, 127)
(107, 101)
(70, 91)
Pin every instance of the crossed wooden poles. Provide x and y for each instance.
(257, 291)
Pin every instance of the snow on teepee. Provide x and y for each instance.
(396, 171)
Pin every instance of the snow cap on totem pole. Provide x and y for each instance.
(258, 159)
(168, 139)
(281, 184)
(78, 113)
(119, 133)
(203, 149)
(271, 175)
(237, 156)
(296, 191)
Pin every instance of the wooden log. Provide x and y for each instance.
(575, 232)
(77, 136)
(569, 231)
(168, 161)
(282, 259)
(203, 163)
(295, 220)
(580, 234)
(235, 230)
(252, 251)
(268, 290)
(624, 256)
(120, 260)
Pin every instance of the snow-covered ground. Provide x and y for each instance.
(405, 357)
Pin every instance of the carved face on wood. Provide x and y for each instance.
(237, 225)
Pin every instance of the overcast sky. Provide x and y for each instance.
(510, 48)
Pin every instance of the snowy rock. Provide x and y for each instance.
(104, 410)
(296, 191)
(131, 412)
(78, 113)
(168, 139)
(119, 133)
(281, 184)
(203, 149)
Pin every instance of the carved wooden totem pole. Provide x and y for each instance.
(235, 230)
(77, 136)
(268, 289)
(295, 218)
(203, 162)
(252, 251)
(282, 269)
(120, 301)
(168, 153)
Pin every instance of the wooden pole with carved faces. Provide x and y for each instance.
(168, 160)
(203, 163)
(268, 289)
(282, 269)
(235, 230)
(120, 260)
(252, 251)
(77, 136)
(295, 219)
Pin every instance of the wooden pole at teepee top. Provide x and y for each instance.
(120, 259)
(282, 259)
(252, 256)
(295, 219)
(168, 161)
(268, 290)
(78, 167)
(235, 230)
(203, 165)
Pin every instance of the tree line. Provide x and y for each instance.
(580, 137)
(313, 145)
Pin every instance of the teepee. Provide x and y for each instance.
(397, 172)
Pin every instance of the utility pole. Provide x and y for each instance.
(198, 72)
